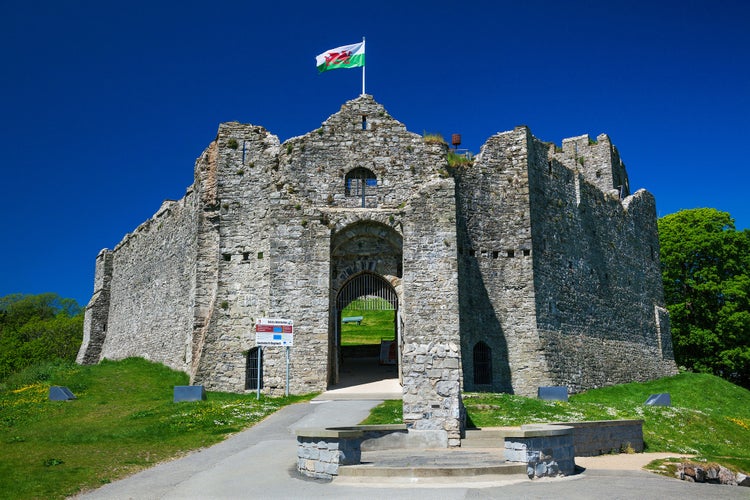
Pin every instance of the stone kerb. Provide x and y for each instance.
(547, 450)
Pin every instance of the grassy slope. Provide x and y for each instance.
(123, 420)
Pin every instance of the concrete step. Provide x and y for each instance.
(442, 463)
(483, 438)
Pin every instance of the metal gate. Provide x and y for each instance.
(373, 293)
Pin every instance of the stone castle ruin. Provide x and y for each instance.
(533, 266)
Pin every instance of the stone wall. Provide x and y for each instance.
(599, 298)
(600, 437)
(561, 276)
(495, 258)
(151, 288)
(236, 242)
(431, 357)
(97, 311)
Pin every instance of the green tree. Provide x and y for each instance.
(706, 271)
(38, 328)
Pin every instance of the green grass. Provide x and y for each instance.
(375, 325)
(387, 412)
(124, 420)
(709, 416)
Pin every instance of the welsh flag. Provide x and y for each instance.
(346, 56)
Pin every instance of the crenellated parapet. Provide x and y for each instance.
(597, 160)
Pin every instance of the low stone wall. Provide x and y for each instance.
(601, 437)
(547, 450)
(320, 452)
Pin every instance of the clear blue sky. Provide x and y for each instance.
(104, 106)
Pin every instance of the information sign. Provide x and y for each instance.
(274, 332)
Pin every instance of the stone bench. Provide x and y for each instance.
(600, 437)
(547, 450)
(352, 319)
(320, 451)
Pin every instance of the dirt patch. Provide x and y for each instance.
(623, 461)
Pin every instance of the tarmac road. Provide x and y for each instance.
(260, 463)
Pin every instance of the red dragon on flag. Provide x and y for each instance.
(346, 56)
(337, 58)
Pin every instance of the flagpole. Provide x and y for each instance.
(363, 66)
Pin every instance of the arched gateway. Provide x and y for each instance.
(366, 264)
(372, 293)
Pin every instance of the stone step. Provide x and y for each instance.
(446, 463)
(483, 438)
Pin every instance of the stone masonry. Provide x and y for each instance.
(533, 266)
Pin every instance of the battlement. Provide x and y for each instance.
(597, 160)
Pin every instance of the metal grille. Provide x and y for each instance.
(360, 181)
(252, 377)
(372, 292)
(482, 364)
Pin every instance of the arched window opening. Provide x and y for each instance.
(482, 364)
(359, 181)
(253, 373)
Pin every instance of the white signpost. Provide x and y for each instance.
(274, 332)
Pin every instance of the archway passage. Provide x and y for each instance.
(367, 340)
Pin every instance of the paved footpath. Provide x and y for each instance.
(260, 463)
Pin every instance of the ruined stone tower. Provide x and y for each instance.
(533, 266)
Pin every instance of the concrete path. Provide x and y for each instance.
(260, 463)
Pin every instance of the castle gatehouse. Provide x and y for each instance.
(531, 265)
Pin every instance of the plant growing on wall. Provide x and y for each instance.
(433, 138)
(458, 160)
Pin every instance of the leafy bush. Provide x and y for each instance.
(38, 328)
